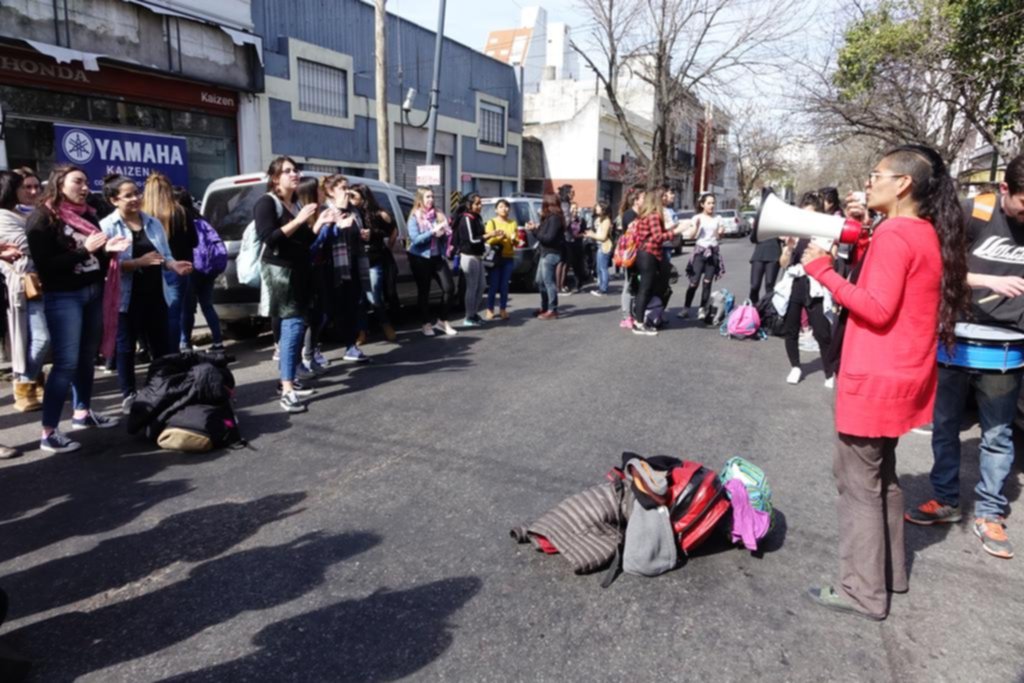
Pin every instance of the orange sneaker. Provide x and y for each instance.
(992, 533)
(933, 512)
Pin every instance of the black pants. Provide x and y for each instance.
(424, 270)
(815, 315)
(762, 270)
(705, 267)
(146, 318)
(653, 280)
(346, 300)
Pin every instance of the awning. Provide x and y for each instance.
(64, 55)
(979, 177)
(238, 36)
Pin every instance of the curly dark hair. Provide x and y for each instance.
(935, 192)
(811, 199)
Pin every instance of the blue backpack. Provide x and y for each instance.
(210, 256)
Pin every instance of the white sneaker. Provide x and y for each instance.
(684, 314)
(702, 313)
(448, 329)
(428, 330)
(794, 376)
(830, 383)
(126, 404)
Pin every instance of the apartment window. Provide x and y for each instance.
(492, 124)
(323, 89)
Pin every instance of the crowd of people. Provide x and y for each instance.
(80, 285)
(85, 276)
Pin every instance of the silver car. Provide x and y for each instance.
(227, 205)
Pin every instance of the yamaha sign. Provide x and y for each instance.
(101, 152)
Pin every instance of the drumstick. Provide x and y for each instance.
(990, 298)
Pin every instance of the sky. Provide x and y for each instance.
(466, 23)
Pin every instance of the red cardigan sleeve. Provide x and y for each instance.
(875, 306)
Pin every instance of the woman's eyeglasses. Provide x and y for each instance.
(872, 177)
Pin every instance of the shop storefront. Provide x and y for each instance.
(127, 121)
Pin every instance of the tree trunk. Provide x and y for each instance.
(383, 126)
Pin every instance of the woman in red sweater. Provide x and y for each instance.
(912, 289)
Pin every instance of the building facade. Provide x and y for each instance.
(128, 87)
(319, 105)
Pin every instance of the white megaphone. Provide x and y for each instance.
(776, 218)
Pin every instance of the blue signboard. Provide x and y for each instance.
(102, 151)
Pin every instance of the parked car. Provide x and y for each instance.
(523, 211)
(685, 216)
(748, 218)
(227, 205)
(734, 227)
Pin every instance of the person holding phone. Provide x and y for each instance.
(71, 254)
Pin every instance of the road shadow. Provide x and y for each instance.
(71, 495)
(73, 644)
(191, 536)
(721, 540)
(384, 637)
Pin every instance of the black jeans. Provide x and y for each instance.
(653, 279)
(423, 271)
(704, 268)
(147, 319)
(763, 270)
(345, 304)
(815, 315)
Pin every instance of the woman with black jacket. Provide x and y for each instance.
(471, 239)
(72, 255)
(550, 236)
(283, 229)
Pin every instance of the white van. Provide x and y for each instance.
(227, 206)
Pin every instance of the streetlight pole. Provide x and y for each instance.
(435, 86)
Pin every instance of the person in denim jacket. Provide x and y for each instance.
(142, 310)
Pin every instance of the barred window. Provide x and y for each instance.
(492, 124)
(323, 89)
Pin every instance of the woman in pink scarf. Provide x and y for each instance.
(71, 255)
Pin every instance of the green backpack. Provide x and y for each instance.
(754, 480)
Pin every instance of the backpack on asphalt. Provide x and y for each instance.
(247, 263)
(720, 306)
(655, 312)
(698, 503)
(200, 428)
(759, 492)
(771, 321)
(210, 256)
(743, 323)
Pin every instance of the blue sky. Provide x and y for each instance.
(466, 23)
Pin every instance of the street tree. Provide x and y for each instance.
(927, 72)
(682, 50)
(760, 144)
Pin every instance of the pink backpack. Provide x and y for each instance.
(743, 321)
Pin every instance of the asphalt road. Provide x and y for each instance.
(367, 540)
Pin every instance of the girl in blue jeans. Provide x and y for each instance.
(500, 276)
(71, 254)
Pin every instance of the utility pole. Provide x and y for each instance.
(435, 87)
(383, 126)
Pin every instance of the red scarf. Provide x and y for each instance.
(73, 215)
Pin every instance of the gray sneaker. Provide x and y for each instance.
(992, 533)
(56, 442)
(933, 512)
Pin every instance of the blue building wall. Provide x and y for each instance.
(347, 26)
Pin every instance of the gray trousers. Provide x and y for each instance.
(872, 560)
(473, 269)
